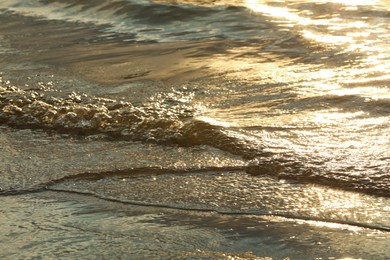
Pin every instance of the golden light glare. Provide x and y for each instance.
(334, 226)
(213, 121)
(327, 38)
(365, 80)
(352, 3)
(368, 92)
(332, 24)
(333, 117)
(276, 12)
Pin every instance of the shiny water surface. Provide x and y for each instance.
(195, 129)
(78, 226)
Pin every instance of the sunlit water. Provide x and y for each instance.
(273, 111)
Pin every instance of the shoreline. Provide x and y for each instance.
(55, 217)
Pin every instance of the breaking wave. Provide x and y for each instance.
(146, 20)
(164, 123)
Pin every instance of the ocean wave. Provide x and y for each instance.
(344, 98)
(148, 20)
(161, 122)
(171, 123)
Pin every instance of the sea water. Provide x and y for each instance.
(261, 126)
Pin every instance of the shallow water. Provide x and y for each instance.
(78, 226)
(270, 109)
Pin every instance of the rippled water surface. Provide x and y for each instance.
(264, 119)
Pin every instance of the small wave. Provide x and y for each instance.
(291, 168)
(347, 224)
(86, 115)
(149, 21)
(160, 122)
(171, 123)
